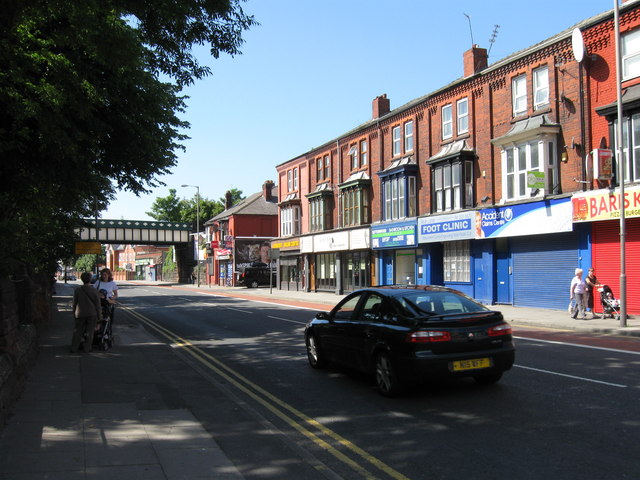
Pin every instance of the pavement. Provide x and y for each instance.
(103, 416)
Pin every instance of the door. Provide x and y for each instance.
(388, 268)
(503, 272)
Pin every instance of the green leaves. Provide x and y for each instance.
(91, 96)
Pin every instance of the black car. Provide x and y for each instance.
(258, 274)
(406, 334)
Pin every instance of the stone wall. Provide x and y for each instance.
(24, 305)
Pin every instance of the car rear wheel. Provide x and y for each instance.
(254, 284)
(387, 379)
(316, 360)
(488, 379)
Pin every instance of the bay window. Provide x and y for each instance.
(355, 205)
(536, 155)
(289, 220)
(530, 146)
(631, 54)
(453, 184)
(319, 212)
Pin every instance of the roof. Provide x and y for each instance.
(254, 204)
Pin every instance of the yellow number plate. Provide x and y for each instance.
(472, 364)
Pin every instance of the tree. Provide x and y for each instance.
(174, 209)
(90, 98)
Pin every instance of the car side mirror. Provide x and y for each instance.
(322, 315)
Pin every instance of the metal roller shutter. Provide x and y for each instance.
(543, 267)
(606, 258)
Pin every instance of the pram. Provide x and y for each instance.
(103, 336)
(610, 305)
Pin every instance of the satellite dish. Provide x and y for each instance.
(577, 45)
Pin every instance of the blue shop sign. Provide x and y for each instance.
(443, 228)
(394, 235)
(533, 218)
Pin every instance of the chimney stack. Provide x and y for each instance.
(475, 60)
(228, 201)
(381, 106)
(267, 190)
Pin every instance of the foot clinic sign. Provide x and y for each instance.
(441, 228)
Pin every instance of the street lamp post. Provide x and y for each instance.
(197, 229)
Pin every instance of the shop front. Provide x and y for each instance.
(447, 244)
(338, 261)
(291, 272)
(224, 262)
(599, 211)
(399, 261)
(532, 253)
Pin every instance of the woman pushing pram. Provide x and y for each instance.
(108, 290)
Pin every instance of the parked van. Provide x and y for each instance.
(258, 274)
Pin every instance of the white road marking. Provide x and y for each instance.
(287, 320)
(591, 347)
(572, 376)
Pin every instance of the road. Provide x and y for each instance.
(568, 409)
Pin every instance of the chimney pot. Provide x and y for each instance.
(475, 60)
(267, 190)
(381, 106)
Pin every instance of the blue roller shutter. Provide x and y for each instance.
(543, 266)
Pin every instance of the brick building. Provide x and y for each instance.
(469, 186)
(241, 235)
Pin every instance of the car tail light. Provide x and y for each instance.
(428, 336)
(498, 330)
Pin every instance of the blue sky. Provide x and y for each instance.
(310, 70)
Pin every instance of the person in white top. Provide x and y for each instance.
(577, 291)
(108, 290)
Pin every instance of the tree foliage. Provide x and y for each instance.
(90, 100)
(174, 209)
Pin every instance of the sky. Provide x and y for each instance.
(309, 72)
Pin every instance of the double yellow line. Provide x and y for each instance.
(290, 415)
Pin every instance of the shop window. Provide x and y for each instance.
(325, 266)
(405, 268)
(457, 261)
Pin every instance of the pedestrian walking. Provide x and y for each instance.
(577, 293)
(592, 287)
(87, 312)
